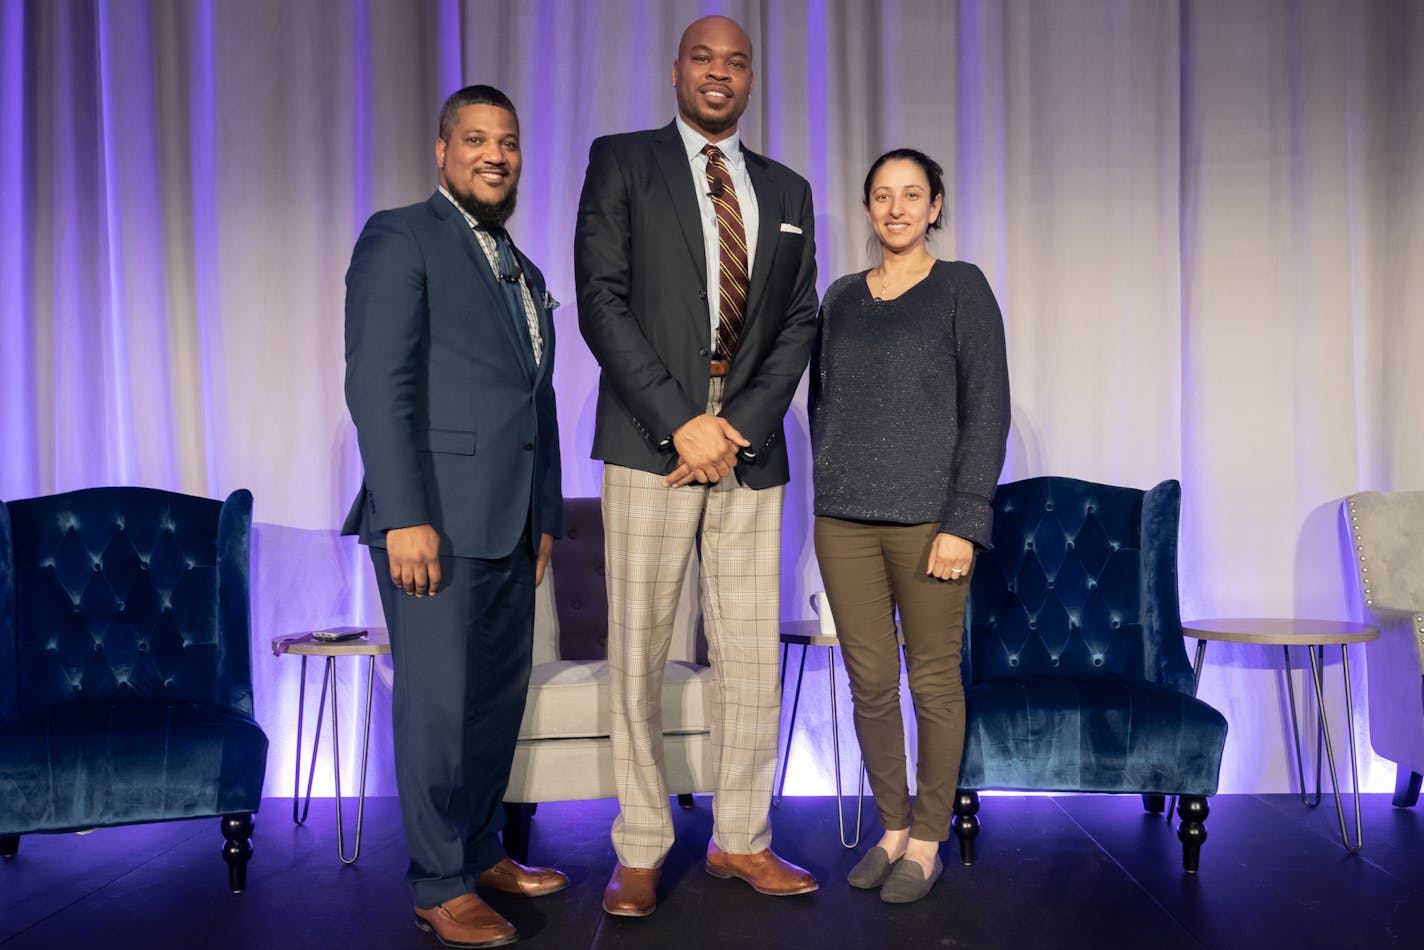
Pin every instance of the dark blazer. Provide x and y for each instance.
(455, 424)
(641, 269)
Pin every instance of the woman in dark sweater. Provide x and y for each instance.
(909, 416)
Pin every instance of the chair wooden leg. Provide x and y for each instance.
(1192, 809)
(237, 835)
(685, 801)
(517, 816)
(9, 846)
(1406, 787)
(1156, 804)
(966, 824)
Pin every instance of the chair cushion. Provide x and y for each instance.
(559, 770)
(568, 699)
(1090, 733)
(89, 765)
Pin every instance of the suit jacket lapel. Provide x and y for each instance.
(677, 175)
(442, 208)
(768, 226)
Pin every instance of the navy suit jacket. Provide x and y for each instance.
(455, 424)
(642, 292)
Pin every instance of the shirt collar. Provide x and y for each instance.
(693, 142)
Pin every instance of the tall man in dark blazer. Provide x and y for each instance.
(449, 359)
(696, 287)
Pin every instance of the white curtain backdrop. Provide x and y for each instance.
(1203, 220)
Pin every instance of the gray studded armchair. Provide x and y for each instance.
(1387, 533)
(564, 752)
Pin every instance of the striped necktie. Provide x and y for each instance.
(732, 277)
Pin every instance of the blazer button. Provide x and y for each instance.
(529, 446)
(703, 352)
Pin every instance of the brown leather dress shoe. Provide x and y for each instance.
(631, 892)
(511, 877)
(764, 871)
(466, 921)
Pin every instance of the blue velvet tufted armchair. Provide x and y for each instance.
(1075, 671)
(125, 678)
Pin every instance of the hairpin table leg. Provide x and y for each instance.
(336, 764)
(301, 817)
(791, 727)
(836, 750)
(1317, 667)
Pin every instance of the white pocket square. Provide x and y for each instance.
(789, 228)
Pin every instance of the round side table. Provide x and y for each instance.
(375, 643)
(807, 634)
(1314, 635)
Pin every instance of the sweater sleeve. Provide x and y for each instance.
(982, 390)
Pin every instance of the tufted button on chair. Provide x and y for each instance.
(1075, 670)
(1387, 534)
(125, 679)
(564, 752)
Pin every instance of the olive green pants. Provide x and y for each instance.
(870, 571)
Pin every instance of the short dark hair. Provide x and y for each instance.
(933, 173)
(471, 96)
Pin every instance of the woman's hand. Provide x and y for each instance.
(950, 557)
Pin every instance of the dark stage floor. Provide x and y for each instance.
(1072, 871)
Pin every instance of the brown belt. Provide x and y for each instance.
(721, 368)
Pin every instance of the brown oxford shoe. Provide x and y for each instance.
(764, 871)
(511, 877)
(466, 921)
(631, 892)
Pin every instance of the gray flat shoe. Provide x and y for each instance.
(906, 882)
(871, 870)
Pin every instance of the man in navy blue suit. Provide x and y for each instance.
(449, 359)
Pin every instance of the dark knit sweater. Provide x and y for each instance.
(910, 402)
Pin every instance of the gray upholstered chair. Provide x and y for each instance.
(564, 752)
(1387, 530)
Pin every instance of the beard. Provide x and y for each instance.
(488, 215)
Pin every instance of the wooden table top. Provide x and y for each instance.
(806, 633)
(374, 643)
(1282, 631)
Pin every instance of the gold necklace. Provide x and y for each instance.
(885, 289)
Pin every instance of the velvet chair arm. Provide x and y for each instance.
(9, 687)
(1165, 650)
(234, 681)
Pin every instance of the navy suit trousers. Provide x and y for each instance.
(462, 660)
